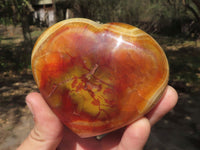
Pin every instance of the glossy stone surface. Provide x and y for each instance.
(98, 77)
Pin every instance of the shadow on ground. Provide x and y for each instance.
(15, 118)
(180, 129)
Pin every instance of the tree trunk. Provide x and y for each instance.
(54, 9)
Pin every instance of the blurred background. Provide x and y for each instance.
(175, 24)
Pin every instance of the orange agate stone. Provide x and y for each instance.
(98, 77)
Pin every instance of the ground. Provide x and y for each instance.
(178, 130)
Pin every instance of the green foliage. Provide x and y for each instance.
(12, 11)
(168, 17)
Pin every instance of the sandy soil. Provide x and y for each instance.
(15, 118)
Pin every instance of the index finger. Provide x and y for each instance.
(167, 102)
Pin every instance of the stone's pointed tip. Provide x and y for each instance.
(99, 137)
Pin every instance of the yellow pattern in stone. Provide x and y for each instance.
(89, 95)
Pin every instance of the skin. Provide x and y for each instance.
(50, 134)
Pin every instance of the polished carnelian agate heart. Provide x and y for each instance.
(98, 77)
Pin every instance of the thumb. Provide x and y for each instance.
(47, 131)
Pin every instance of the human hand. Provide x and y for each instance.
(50, 134)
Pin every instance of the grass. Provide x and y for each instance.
(14, 52)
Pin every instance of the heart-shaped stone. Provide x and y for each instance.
(98, 77)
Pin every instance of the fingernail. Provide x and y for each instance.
(30, 107)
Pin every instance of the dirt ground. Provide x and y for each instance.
(178, 130)
(15, 118)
